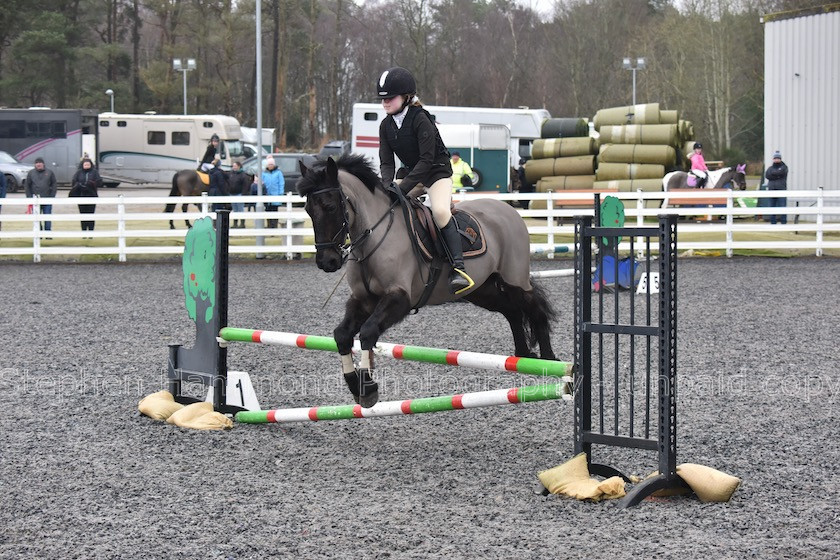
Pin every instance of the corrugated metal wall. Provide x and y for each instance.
(802, 98)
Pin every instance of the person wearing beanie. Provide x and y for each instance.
(776, 176)
(274, 184)
(41, 182)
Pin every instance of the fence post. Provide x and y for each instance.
(36, 229)
(729, 222)
(820, 208)
(121, 228)
(549, 207)
(205, 204)
(289, 209)
(640, 222)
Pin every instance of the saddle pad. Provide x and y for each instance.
(205, 177)
(472, 237)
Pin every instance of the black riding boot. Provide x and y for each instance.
(457, 280)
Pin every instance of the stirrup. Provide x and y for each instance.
(465, 276)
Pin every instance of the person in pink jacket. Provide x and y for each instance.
(698, 166)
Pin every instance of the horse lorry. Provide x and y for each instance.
(491, 140)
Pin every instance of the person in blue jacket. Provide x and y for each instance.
(274, 184)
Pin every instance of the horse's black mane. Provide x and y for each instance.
(355, 164)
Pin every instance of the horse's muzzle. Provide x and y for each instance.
(328, 260)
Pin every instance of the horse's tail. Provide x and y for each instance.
(539, 313)
(174, 192)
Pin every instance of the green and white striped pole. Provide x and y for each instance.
(463, 401)
(530, 366)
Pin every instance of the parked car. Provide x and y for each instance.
(335, 148)
(286, 163)
(14, 171)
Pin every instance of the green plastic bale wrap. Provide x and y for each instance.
(640, 134)
(637, 153)
(669, 117)
(647, 113)
(564, 127)
(619, 171)
(536, 169)
(566, 182)
(629, 185)
(562, 147)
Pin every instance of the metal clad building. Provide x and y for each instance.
(802, 94)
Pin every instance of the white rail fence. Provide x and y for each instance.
(125, 223)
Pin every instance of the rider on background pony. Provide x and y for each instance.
(698, 166)
(210, 154)
(408, 131)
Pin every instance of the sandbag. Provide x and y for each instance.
(613, 171)
(564, 127)
(565, 182)
(640, 134)
(200, 416)
(710, 485)
(637, 153)
(562, 147)
(159, 406)
(572, 479)
(647, 113)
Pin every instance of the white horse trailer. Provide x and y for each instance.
(148, 148)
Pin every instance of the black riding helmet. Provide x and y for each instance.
(395, 81)
(698, 145)
(214, 137)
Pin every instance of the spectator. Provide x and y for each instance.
(240, 184)
(41, 182)
(86, 182)
(524, 185)
(274, 184)
(776, 176)
(211, 153)
(698, 165)
(461, 172)
(218, 184)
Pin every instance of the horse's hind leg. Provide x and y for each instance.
(493, 295)
(539, 314)
(185, 209)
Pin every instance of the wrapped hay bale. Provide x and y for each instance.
(686, 131)
(637, 153)
(669, 117)
(640, 134)
(562, 147)
(647, 113)
(536, 169)
(613, 171)
(565, 182)
(632, 185)
(564, 127)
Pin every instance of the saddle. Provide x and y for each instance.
(205, 177)
(696, 178)
(423, 229)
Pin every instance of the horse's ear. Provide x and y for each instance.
(332, 171)
(303, 168)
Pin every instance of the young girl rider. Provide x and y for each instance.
(698, 165)
(409, 133)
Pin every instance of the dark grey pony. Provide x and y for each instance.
(346, 201)
(188, 183)
(717, 179)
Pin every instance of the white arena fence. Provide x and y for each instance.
(138, 225)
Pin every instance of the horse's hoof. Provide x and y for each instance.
(369, 400)
(352, 380)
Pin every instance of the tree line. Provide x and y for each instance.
(703, 57)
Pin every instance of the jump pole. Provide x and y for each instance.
(495, 397)
(477, 360)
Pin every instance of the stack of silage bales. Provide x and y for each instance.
(563, 159)
(638, 145)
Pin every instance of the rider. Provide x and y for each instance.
(698, 165)
(410, 133)
(210, 154)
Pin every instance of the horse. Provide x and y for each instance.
(716, 179)
(358, 223)
(188, 183)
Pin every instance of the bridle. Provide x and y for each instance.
(342, 241)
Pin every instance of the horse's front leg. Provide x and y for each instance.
(185, 208)
(390, 310)
(356, 312)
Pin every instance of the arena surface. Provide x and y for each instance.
(84, 475)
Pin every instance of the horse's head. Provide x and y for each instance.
(326, 204)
